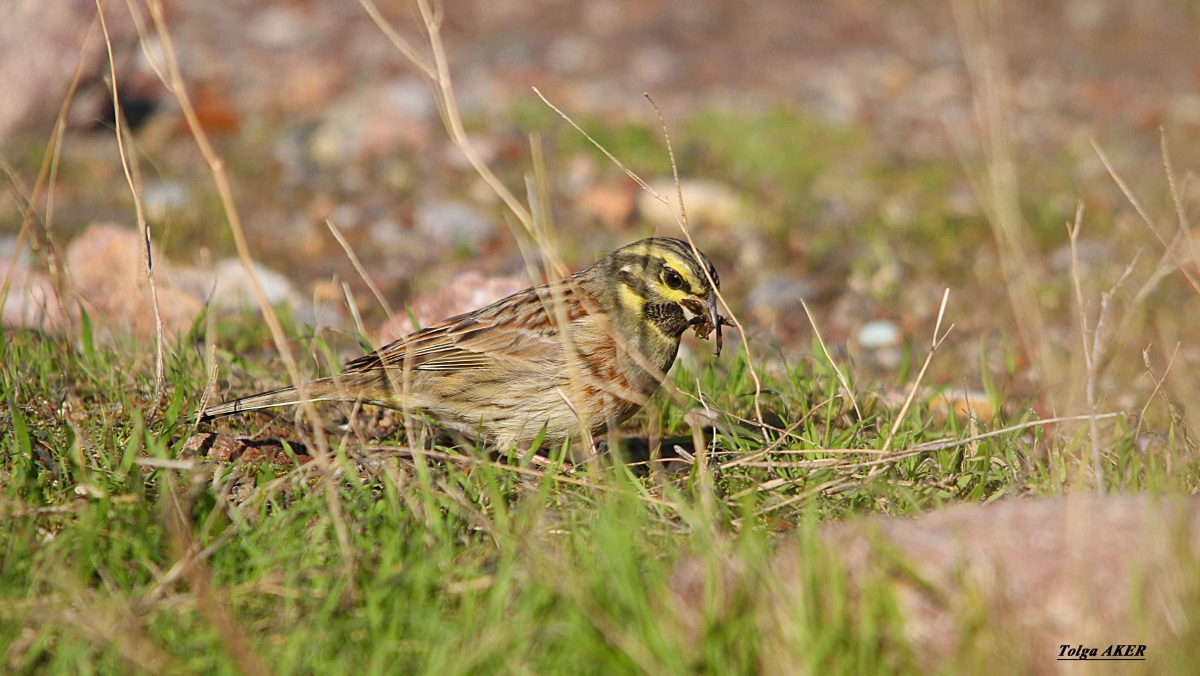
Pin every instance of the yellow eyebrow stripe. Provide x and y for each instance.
(686, 268)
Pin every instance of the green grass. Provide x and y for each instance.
(460, 566)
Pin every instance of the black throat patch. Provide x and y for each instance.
(668, 317)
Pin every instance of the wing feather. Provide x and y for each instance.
(515, 328)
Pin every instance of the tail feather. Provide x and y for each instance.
(318, 390)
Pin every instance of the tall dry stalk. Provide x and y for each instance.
(171, 75)
(997, 182)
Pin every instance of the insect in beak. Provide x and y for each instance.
(705, 319)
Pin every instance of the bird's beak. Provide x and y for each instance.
(713, 317)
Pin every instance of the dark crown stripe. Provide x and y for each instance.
(684, 251)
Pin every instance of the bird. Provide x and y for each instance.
(565, 360)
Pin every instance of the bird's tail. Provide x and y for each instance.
(317, 390)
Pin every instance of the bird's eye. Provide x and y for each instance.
(673, 279)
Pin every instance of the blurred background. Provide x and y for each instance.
(858, 156)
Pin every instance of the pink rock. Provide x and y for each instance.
(39, 48)
(468, 291)
(31, 302)
(109, 278)
(1006, 584)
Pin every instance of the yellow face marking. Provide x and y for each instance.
(630, 300)
(684, 268)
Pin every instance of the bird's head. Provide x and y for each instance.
(669, 285)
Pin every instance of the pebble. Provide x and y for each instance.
(450, 222)
(879, 333)
(707, 201)
(466, 292)
(161, 198)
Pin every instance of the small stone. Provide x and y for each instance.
(612, 205)
(653, 64)
(879, 333)
(233, 283)
(450, 222)
(468, 291)
(278, 26)
(161, 198)
(219, 447)
(773, 299)
(107, 267)
(572, 55)
(707, 201)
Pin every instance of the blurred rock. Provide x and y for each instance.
(883, 339)
(879, 333)
(107, 270)
(943, 403)
(162, 197)
(374, 122)
(653, 64)
(280, 26)
(779, 300)
(31, 301)
(226, 449)
(707, 202)
(1002, 584)
(572, 55)
(227, 285)
(469, 291)
(963, 404)
(40, 45)
(106, 273)
(612, 205)
(1092, 255)
(453, 223)
(216, 110)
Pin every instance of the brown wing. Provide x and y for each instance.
(511, 329)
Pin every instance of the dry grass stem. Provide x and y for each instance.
(829, 358)
(174, 82)
(133, 176)
(358, 267)
(403, 46)
(1169, 246)
(682, 222)
(1089, 349)
(998, 185)
(1159, 381)
(612, 158)
(938, 337)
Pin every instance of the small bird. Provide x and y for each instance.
(569, 357)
